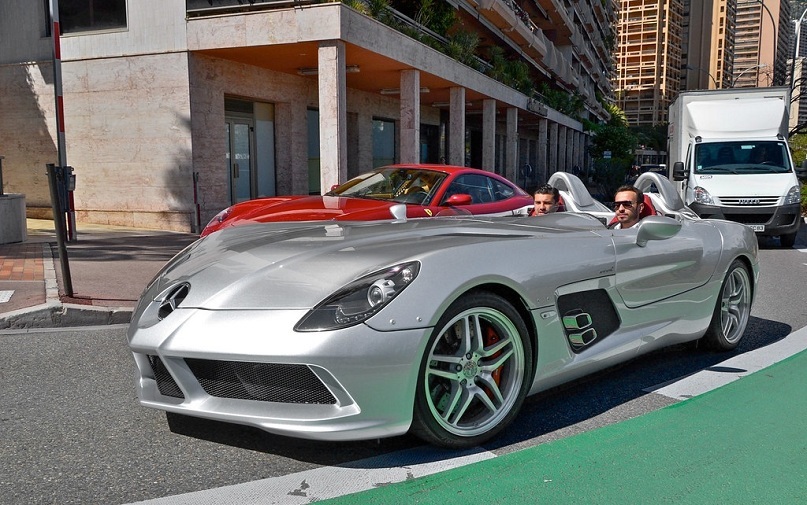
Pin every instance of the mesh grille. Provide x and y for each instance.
(165, 383)
(269, 382)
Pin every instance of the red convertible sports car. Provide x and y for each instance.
(425, 190)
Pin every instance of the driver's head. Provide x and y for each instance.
(546, 200)
(628, 205)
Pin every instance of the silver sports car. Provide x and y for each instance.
(441, 327)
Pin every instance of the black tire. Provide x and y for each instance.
(787, 240)
(732, 309)
(475, 373)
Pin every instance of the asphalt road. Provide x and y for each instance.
(72, 431)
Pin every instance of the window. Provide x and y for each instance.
(383, 142)
(77, 16)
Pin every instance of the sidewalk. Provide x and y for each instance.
(109, 268)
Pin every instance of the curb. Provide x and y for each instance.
(55, 315)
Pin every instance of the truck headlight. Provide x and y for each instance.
(793, 196)
(702, 196)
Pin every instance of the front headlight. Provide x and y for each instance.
(793, 196)
(702, 196)
(359, 300)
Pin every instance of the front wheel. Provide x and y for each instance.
(474, 374)
(731, 310)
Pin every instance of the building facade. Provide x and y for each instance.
(175, 109)
(708, 52)
(763, 41)
(648, 59)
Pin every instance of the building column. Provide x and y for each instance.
(570, 161)
(543, 148)
(511, 155)
(489, 135)
(552, 158)
(456, 129)
(576, 150)
(410, 116)
(561, 165)
(332, 114)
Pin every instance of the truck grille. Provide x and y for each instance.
(749, 201)
(268, 382)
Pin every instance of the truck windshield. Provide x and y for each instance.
(742, 157)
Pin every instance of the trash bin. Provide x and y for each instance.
(13, 227)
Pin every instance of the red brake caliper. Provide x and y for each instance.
(491, 337)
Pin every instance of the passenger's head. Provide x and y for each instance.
(546, 200)
(628, 204)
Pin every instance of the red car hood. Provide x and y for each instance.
(302, 208)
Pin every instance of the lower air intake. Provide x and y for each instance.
(268, 382)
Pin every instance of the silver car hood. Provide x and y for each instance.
(297, 265)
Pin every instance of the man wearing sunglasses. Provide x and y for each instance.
(628, 204)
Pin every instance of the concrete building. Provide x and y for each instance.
(648, 59)
(175, 109)
(708, 52)
(762, 42)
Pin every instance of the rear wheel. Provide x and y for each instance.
(731, 310)
(474, 374)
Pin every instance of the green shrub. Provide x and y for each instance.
(804, 199)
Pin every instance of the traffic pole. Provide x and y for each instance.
(70, 232)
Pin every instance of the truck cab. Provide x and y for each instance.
(734, 161)
(748, 181)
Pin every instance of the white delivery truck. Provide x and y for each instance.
(728, 149)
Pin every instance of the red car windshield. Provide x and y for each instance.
(398, 184)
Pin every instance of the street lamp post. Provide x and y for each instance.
(737, 77)
(689, 67)
(773, 25)
(796, 48)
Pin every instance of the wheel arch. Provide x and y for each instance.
(748, 265)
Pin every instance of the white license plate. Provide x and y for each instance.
(757, 227)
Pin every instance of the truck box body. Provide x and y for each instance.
(728, 149)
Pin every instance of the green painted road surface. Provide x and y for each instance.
(743, 443)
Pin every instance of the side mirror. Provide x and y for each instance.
(679, 173)
(656, 228)
(459, 199)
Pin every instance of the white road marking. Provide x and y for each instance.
(734, 368)
(331, 482)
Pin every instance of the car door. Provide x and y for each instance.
(664, 268)
(488, 196)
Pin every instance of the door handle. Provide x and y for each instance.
(235, 171)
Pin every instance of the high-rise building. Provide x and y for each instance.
(762, 42)
(649, 47)
(708, 52)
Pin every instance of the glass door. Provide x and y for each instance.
(240, 161)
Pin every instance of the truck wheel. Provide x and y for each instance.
(475, 373)
(731, 310)
(787, 240)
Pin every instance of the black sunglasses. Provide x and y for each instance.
(626, 203)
